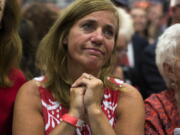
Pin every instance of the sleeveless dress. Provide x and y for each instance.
(53, 110)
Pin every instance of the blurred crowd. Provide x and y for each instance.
(143, 22)
(146, 21)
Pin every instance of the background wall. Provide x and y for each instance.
(60, 3)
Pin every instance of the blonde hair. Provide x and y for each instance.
(53, 59)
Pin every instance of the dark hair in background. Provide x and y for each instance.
(29, 46)
(10, 43)
(41, 16)
(37, 19)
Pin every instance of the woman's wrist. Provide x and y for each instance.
(73, 121)
(94, 109)
(74, 113)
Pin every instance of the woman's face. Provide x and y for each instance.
(177, 68)
(91, 40)
(2, 4)
(139, 18)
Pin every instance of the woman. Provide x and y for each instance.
(72, 98)
(162, 110)
(11, 78)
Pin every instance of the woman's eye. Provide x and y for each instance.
(109, 33)
(87, 27)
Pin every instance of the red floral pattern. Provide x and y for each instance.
(53, 110)
(162, 116)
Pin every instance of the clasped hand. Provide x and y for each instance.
(85, 94)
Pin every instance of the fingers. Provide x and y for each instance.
(83, 80)
(77, 90)
(88, 76)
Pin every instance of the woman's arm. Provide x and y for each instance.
(27, 112)
(130, 112)
(28, 119)
(93, 94)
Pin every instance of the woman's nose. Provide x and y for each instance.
(97, 37)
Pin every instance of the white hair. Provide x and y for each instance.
(174, 3)
(126, 27)
(166, 50)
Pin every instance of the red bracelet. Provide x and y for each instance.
(72, 120)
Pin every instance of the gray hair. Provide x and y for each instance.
(166, 51)
(126, 27)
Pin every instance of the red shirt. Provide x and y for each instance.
(7, 98)
(162, 116)
(53, 110)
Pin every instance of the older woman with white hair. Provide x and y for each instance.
(163, 109)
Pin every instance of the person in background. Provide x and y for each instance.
(162, 109)
(139, 16)
(73, 96)
(122, 4)
(11, 78)
(126, 30)
(42, 15)
(37, 18)
(175, 11)
(29, 46)
(155, 17)
(138, 42)
(153, 81)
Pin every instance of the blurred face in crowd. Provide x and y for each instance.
(155, 13)
(139, 18)
(2, 4)
(121, 48)
(176, 13)
(91, 40)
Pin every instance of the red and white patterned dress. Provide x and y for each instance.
(162, 116)
(53, 110)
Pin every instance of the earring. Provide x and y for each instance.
(173, 85)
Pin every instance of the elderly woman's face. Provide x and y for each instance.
(91, 39)
(177, 67)
(2, 4)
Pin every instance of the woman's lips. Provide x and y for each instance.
(94, 51)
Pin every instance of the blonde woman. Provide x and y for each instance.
(72, 97)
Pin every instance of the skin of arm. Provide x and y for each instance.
(130, 110)
(28, 119)
(130, 113)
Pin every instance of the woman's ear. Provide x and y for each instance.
(65, 41)
(169, 71)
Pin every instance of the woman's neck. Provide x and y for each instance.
(75, 70)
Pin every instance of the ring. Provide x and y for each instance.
(89, 77)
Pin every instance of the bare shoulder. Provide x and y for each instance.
(128, 91)
(130, 112)
(30, 87)
(28, 102)
(130, 97)
(28, 94)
